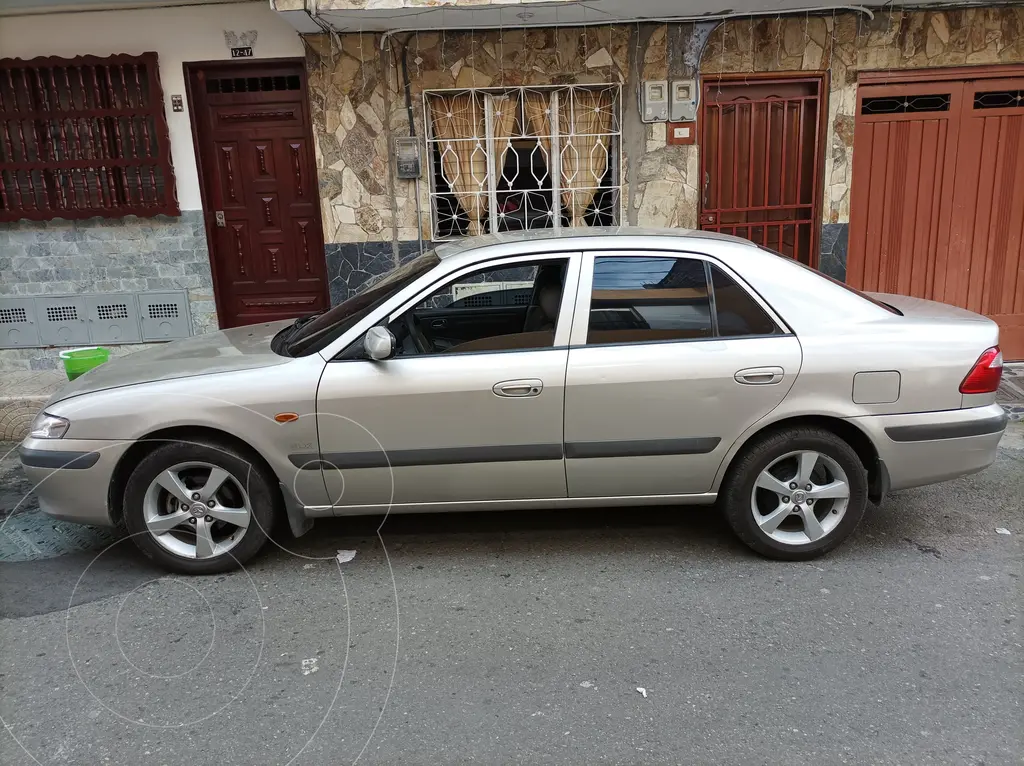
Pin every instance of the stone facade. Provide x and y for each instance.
(359, 103)
(105, 256)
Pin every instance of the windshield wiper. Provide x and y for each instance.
(303, 321)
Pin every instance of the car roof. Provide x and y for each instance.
(565, 236)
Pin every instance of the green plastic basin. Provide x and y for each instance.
(78, 361)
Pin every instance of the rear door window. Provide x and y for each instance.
(640, 299)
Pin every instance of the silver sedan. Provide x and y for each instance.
(541, 369)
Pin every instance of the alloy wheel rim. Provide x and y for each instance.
(196, 510)
(800, 497)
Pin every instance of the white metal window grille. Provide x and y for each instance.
(523, 158)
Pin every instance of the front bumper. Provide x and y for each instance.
(71, 477)
(928, 447)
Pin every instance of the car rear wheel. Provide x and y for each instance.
(198, 508)
(796, 493)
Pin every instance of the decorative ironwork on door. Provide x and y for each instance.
(760, 163)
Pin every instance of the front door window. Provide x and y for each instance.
(504, 308)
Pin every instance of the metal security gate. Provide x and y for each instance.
(938, 192)
(760, 161)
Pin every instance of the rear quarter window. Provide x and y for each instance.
(738, 314)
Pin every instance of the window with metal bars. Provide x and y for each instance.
(504, 159)
(910, 104)
(999, 99)
(83, 137)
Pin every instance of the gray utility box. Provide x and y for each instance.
(18, 328)
(164, 315)
(113, 318)
(62, 320)
(93, 319)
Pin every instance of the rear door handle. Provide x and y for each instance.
(518, 388)
(760, 376)
(437, 324)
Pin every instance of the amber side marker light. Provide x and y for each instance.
(286, 417)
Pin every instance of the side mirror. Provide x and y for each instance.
(379, 343)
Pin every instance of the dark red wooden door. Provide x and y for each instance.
(260, 195)
(760, 162)
(938, 195)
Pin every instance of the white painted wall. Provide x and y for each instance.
(189, 33)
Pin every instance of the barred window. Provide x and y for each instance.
(83, 137)
(523, 158)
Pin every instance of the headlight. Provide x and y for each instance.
(47, 426)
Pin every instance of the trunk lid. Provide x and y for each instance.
(919, 308)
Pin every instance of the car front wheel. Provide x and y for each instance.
(796, 493)
(198, 507)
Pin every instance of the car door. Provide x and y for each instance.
(671, 359)
(475, 422)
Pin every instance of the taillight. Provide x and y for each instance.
(985, 375)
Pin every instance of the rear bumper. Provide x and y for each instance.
(928, 447)
(71, 477)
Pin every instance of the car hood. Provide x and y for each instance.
(241, 348)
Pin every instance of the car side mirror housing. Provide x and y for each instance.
(379, 343)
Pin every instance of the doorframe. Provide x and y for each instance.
(824, 80)
(190, 68)
(938, 74)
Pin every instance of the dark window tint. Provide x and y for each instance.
(736, 311)
(929, 102)
(639, 300)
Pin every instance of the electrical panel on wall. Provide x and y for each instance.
(654, 101)
(78, 320)
(683, 106)
(407, 157)
(18, 327)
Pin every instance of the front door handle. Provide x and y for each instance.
(437, 324)
(518, 388)
(760, 376)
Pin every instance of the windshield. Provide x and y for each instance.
(320, 331)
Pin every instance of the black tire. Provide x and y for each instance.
(738, 487)
(243, 467)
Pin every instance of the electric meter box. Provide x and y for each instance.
(407, 157)
(654, 101)
(683, 106)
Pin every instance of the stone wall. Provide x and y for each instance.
(358, 102)
(105, 256)
(359, 105)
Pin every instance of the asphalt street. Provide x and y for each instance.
(526, 638)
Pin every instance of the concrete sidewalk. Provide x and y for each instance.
(22, 394)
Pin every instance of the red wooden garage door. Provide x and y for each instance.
(938, 194)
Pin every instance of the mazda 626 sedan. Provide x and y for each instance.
(539, 370)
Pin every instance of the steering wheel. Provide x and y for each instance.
(419, 338)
